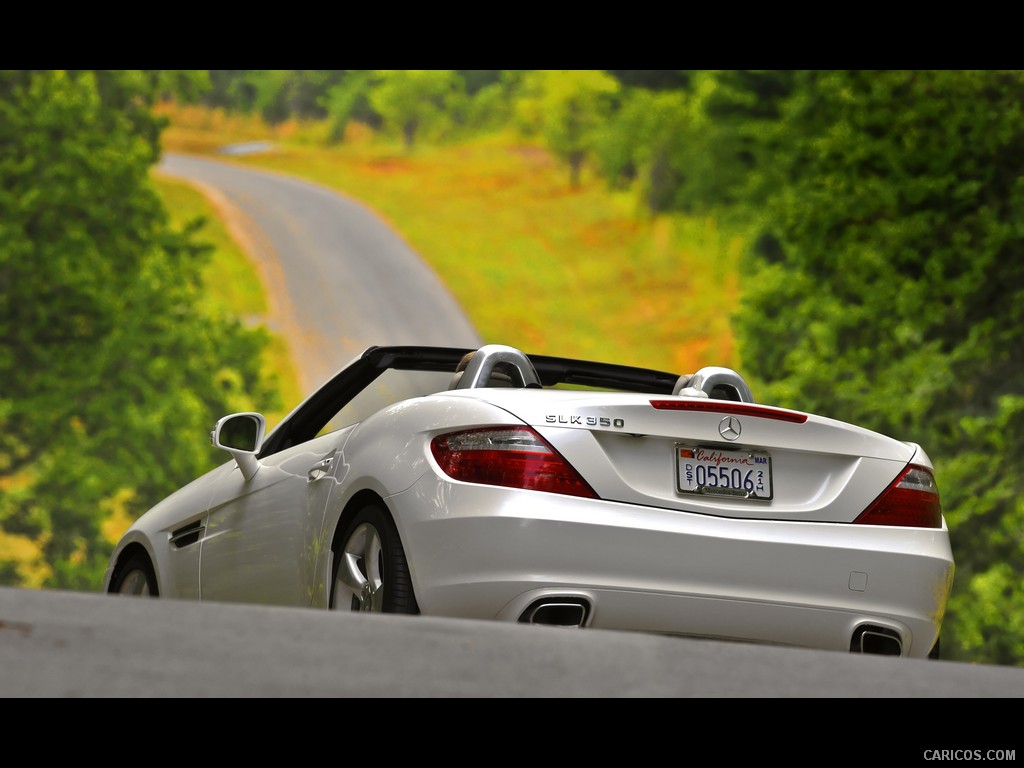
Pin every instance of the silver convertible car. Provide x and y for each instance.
(494, 484)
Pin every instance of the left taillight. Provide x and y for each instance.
(512, 457)
(912, 500)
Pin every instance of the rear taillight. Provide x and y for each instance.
(912, 500)
(513, 457)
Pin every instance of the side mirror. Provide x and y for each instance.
(241, 435)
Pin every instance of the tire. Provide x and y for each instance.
(136, 578)
(934, 652)
(371, 573)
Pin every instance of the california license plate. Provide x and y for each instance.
(712, 472)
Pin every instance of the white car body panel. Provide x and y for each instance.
(257, 548)
(794, 569)
(724, 566)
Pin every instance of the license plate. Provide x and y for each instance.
(712, 472)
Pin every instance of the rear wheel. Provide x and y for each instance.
(136, 578)
(370, 569)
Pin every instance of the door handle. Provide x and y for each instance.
(319, 469)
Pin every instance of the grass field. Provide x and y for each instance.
(534, 262)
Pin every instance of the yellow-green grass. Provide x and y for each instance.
(534, 262)
(232, 285)
(231, 281)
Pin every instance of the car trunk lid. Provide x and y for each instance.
(713, 456)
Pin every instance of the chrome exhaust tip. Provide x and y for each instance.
(557, 612)
(878, 641)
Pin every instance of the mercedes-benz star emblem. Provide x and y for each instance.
(730, 428)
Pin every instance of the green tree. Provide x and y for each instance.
(113, 374)
(281, 94)
(635, 144)
(887, 289)
(476, 80)
(231, 89)
(410, 101)
(348, 100)
(690, 140)
(491, 101)
(654, 79)
(568, 107)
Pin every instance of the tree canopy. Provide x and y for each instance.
(412, 100)
(113, 372)
(887, 290)
(567, 107)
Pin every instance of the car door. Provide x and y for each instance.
(264, 535)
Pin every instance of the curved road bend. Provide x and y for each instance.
(339, 279)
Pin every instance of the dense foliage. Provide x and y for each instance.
(888, 290)
(883, 283)
(112, 372)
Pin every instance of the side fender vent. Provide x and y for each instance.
(187, 535)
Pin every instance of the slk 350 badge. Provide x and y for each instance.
(585, 421)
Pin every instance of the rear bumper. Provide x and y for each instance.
(483, 552)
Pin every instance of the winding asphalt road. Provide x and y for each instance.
(341, 280)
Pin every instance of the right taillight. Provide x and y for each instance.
(912, 500)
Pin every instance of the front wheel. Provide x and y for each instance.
(136, 578)
(370, 569)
